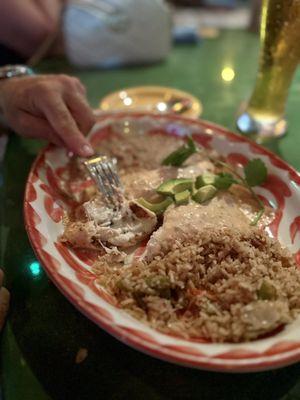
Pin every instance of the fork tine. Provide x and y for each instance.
(106, 178)
(92, 168)
(106, 186)
(113, 175)
(110, 185)
(106, 174)
(97, 177)
(110, 176)
(103, 171)
(117, 186)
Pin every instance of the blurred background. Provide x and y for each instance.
(113, 33)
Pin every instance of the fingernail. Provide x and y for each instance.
(87, 150)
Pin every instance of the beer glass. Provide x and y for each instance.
(264, 116)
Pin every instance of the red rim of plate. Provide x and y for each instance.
(279, 355)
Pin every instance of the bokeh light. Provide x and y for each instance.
(228, 74)
(35, 268)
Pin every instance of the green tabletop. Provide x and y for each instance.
(44, 331)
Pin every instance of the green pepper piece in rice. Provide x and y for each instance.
(266, 291)
(161, 284)
(122, 285)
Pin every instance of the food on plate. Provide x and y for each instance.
(95, 225)
(187, 251)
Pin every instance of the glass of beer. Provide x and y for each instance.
(264, 116)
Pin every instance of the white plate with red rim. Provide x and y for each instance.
(71, 272)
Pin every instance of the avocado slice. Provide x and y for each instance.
(157, 208)
(205, 193)
(207, 178)
(173, 186)
(182, 197)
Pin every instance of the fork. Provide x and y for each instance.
(103, 171)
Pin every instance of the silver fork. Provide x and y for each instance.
(104, 173)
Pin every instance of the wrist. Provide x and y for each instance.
(3, 83)
(14, 71)
(9, 73)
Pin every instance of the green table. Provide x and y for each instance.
(44, 331)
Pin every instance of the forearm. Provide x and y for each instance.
(51, 9)
(2, 87)
(24, 25)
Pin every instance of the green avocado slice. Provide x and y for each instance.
(182, 197)
(207, 178)
(205, 193)
(157, 208)
(173, 186)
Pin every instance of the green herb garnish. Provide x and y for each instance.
(179, 156)
(255, 173)
(224, 180)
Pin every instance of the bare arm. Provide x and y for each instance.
(50, 8)
(24, 25)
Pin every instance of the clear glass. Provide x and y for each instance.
(264, 116)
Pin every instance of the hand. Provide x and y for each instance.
(4, 301)
(51, 107)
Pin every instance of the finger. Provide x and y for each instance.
(4, 305)
(81, 112)
(81, 88)
(32, 126)
(63, 123)
(72, 84)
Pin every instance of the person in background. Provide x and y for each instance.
(24, 27)
(91, 33)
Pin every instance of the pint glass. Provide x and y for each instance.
(264, 116)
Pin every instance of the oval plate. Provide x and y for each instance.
(71, 272)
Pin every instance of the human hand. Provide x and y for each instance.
(51, 107)
(4, 301)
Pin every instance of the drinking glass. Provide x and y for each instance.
(264, 116)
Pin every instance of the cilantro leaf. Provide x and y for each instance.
(224, 180)
(255, 172)
(179, 156)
